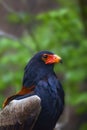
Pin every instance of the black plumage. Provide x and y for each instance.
(48, 88)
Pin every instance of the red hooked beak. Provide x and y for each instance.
(51, 59)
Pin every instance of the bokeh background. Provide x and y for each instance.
(28, 26)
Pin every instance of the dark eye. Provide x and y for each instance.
(45, 56)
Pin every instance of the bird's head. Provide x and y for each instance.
(40, 65)
(46, 57)
(50, 58)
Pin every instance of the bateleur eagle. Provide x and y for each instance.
(40, 102)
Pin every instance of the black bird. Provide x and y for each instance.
(42, 88)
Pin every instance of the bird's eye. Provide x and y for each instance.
(45, 56)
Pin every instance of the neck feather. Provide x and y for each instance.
(35, 72)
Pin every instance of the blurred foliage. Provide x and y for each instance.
(83, 127)
(60, 31)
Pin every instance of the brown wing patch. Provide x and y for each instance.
(7, 100)
(23, 91)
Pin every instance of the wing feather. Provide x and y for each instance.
(18, 111)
